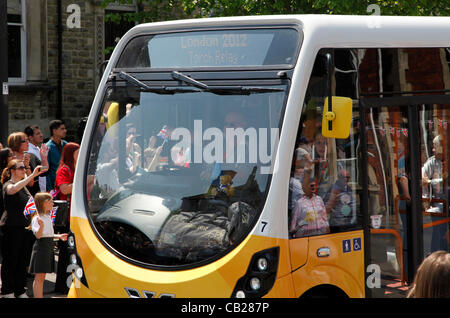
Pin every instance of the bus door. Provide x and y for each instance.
(405, 145)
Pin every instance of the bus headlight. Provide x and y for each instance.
(71, 241)
(73, 259)
(255, 283)
(262, 264)
(240, 294)
(260, 275)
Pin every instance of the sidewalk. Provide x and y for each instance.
(49, 286)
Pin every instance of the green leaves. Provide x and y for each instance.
(162, 10)
(218, 8)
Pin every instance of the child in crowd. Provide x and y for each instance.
(42, 257)
(432, 279)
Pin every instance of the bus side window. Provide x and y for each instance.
(322, 185)
(307, 209)
(333, 174)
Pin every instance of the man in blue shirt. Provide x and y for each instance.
(55, 144)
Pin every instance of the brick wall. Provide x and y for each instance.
(82, 51)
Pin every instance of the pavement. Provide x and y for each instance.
(49, 285)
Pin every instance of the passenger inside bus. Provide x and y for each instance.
(432, 176)
(309, 216)
(433, 191)
(236, 159)
(301, 160)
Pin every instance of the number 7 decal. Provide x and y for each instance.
(264, 223)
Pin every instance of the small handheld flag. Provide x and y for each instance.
(53, 214)
(54, 193)
(30, 207)
(164, 134)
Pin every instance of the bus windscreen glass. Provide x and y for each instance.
(177, 179)
(213, 48)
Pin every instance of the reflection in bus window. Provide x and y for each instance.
(341, 205)
(332, 179)
(309, 215)
(333, 176)
(185, 174)
(434, 172)
(432, 177)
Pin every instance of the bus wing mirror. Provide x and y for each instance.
(340, 117)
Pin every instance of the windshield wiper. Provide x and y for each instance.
(196, 86)
(133, 80)
(156, 89)
(184, 78)
(223, 89)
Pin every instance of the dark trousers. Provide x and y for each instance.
(14, 251)
(63, 263)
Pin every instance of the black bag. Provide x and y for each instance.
(62, 214)
(195, 236)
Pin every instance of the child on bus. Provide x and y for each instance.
(42, 257)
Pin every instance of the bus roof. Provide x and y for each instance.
(334, 30)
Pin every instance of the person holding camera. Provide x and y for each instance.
(16, 239)
(18, 142)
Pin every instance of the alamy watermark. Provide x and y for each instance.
(74, 19)
(237, 146)
(374, 21)
(374, 279)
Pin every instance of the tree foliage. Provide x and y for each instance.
(162, 10)
(217, 8)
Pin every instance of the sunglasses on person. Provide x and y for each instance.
(20, 168)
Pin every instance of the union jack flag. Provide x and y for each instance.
(163, 133)
(53, 214)
(30, 207)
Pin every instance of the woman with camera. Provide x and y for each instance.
(15, 236)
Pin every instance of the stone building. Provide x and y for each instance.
(55, 52)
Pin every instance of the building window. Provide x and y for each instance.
(16, 41)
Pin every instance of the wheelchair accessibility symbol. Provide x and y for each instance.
(357, 244)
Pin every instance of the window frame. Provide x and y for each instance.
(23, 46)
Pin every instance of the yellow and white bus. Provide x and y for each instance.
(212, 165)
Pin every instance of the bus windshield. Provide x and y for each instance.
(179, 178)
(264, 47)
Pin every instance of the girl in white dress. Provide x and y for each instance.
(42, 257)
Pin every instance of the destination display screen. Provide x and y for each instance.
(213, 48)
